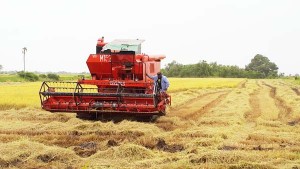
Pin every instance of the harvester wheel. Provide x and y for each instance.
(154, 118)
(162, 113)
(87, 116)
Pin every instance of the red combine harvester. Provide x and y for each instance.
(119, 85)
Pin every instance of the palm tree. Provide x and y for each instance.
(24, 50)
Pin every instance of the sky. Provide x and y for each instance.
(60, 34)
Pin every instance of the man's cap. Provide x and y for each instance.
(158, 73)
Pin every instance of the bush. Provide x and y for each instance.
(53, 76)
(43, 76)
(28, 76)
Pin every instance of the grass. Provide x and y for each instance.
(292, 80)
(63, 77)
(10, 78)
(73, 77)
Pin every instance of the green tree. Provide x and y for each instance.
(1, 67)
(53, 76)
(263, 66)
(202, 69)
(173, 69)
(28, 76)
(43, 76)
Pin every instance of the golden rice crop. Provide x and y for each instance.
(19, 95)
(179, 84)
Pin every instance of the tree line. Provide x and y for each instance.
(29, 76)
(259, 67)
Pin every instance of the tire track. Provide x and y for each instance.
(242, 84)
(199, 104)
(256, 82)
(206, 108)
(284, 110)
(255, 111)
(255, 104)
(296, 90)
(191, 110)
(261, 103)
(191, 101)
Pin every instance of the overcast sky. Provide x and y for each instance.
(60, 34)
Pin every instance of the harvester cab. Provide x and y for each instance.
(118, 84)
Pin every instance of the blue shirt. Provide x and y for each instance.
(164, 82)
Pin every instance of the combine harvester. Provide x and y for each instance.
(118, 85)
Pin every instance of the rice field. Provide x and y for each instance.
(212, 123)
(19, 95)
(180, 84)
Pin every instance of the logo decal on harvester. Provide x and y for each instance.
(105, 58)
(114, 83)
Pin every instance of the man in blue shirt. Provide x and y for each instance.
(161, 80)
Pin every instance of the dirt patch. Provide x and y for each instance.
(166, 125)
(86, 149)
(296, 91)
(294, 122)
(111, 143)
(47, 158)
(3, 163)
(199, 160)
(162, 145)
(260, 148)
(228, 148)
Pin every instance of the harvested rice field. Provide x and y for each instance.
(212, 123)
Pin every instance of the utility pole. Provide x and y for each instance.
(24, 50)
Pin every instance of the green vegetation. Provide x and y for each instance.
(294, 80)
(19, 77)
(28, 76)
(260, 67)
(42, 76)
(297, 81)
(203, 69)
(73, 77)
(53, 76)
(10, 78)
